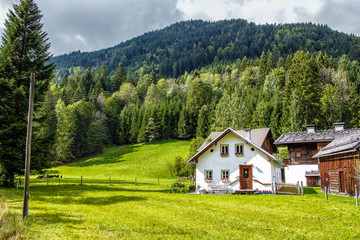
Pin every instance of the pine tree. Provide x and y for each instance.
(204, 122)
(24, 50)
(118, 78)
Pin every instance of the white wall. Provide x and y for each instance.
(262, 170)
(294, 173)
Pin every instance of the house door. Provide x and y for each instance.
(245, 176)
(342, 181)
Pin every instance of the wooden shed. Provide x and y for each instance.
(338, 165)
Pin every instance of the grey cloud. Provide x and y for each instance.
(302, 15)
(73, 25)
(341, 15)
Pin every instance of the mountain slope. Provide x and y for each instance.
(188, 45)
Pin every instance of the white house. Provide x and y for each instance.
(234, 161)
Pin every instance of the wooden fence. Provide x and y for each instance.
(84, 180)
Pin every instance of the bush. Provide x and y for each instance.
(192, 188)
(178, 187)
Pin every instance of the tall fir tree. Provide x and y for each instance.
(24, 49)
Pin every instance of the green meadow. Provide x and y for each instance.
(120, 209)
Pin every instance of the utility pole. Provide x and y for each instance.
(28, 147)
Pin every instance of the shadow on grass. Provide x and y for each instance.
(56, 218)
(310, 190)
(76, 194)
(96, 201)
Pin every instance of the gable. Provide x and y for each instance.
(261, 137)
(243, 139)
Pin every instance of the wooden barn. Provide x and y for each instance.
(302, 146)
(338, 164)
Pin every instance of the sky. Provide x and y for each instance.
(89, 25)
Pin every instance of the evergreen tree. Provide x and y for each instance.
(152, 130)
(24, 50)
(204, 122)
(118, 78)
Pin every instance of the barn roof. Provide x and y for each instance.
(221, 135)
(340, 145)
(318, 136)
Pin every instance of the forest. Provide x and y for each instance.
(91, 109)
(212, 75)
(190, 45)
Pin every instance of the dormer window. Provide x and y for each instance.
(239, 150)
(224, 150)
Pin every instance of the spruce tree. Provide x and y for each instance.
(24, 49)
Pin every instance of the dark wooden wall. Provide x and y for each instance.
(336, 164)
(268, 145)
(306, 155)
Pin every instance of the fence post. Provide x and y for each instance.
(81, 181)
(326, 192)
(17, 184)
(356, 196)
(302, 188)
(298, 187)
(135, 180)
(275, 188)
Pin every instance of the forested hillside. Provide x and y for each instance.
(190, 45)
(93, 108)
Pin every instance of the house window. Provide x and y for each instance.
(298, 154)
(224, 149)
(224, 175)
(239, 149)
(208, 175)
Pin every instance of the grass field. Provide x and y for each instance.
(98, 210)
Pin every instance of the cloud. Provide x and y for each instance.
(4, 6)
(91, 25)
(342, 15)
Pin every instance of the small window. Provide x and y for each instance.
(239, 150)
(224, 175)
(224, 150)
(208, 175)
(313, 152)
(298, 154)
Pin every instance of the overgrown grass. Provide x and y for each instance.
(11, 224)
(148, 211)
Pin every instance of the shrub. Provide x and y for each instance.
(178, 187)
(192, 188)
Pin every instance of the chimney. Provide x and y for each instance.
(310, 128)
(339, 126)
(248, 132)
